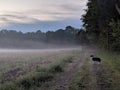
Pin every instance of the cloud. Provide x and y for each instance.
(7, 19)
(31, 11)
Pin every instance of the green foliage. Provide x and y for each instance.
(91, 16)
(115, 36)
(82, 37)
(97, 22)
(91, 22)
(111, 61)
(110, 37)
(117, 6)
(62, 36)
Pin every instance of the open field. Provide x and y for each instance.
(59, 69)
(19, 68)
(10, 59)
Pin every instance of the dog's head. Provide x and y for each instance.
(91, 55)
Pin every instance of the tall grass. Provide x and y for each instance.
(85, 80)
(81, 79)
(111, 62)
(36, 79)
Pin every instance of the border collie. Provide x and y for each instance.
(95, 58)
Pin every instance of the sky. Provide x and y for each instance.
(44, 15)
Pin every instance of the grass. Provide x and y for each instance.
(39, 68)
(85, 80)
(81, 79)
(111, 62)
(35, 78)
(28, 83)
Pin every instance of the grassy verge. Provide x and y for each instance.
(111, 62)
(109, 72)
(81, 79)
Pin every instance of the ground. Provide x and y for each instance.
(59, 69)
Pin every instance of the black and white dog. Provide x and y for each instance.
(96, 59)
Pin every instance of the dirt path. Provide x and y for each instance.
(102, 77)
(63, 83)
(97, 71)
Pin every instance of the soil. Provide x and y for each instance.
(64, 82)
(102, 77)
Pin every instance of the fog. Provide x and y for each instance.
(14, 50)
(11, 40)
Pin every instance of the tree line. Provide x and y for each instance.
(61, 36)
(101, 24)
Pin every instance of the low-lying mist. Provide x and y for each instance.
(39, 50)
(38, 40)
(33, 45)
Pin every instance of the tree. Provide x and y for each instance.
(81, 37)
(101, 22)
(118, 6)
(90, 20)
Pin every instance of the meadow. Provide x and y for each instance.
(59, 69)
(34, 69)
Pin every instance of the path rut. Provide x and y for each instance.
(63, 84)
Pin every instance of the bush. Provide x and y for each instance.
(115, 36)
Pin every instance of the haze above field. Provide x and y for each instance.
(39, 50)
(39, 40)
(32, 15)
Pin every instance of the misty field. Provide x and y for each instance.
(30, 69)
(58, 69)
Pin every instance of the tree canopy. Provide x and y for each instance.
(102, 23)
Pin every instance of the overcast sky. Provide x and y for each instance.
(32, 15)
